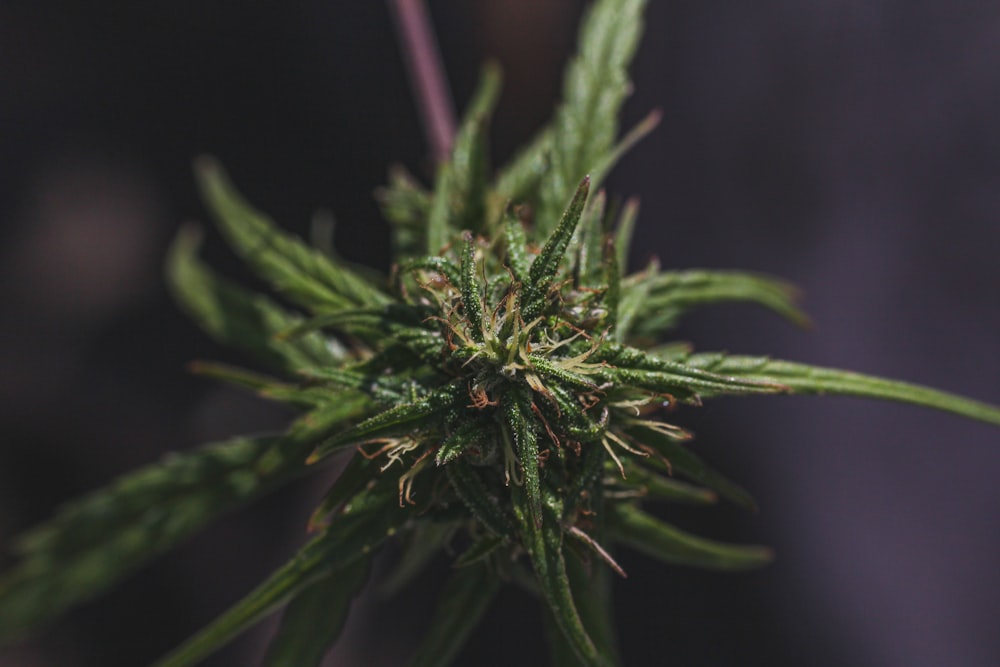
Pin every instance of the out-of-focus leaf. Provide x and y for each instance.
(646, 534)
(660, 487)
(352, 537)
(679, 459)
(423, 542)
(238, 317)
(301, 273)
(595, 86)
(814, 380)
(460, 196)
(672, 294)
(461, 606)
(95, 541)
(519, 179)
(313, 620)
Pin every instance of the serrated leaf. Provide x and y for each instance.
(466, 435)
(313, 620)
(648, 535)
(815, 380)
(301, 273)
(352, 537)
(595, 86)
(461, 606)
(239, 317)
(460, 194)
(672, 294)
(101, 538)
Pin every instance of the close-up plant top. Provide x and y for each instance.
(506, 395)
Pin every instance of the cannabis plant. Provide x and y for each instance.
(503, 396)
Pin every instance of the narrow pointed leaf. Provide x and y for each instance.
(461, 607)
(594, 88)
(351, 538)
(472, 300)
(516, 245)
(623, 234)
(465, 436)
(520, 178)
(681, 460)
(518, 425)
(301, 273)
(656, 539)
(544, 546)
(659, 487)
(313, 620)
(460, 195)
(545, 267)
(103, 537)
(400, 417)
(424, 541)
(476, 497)
(672, 294)
(814, 380)
(235, 316)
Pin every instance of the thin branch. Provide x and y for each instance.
(423, 63)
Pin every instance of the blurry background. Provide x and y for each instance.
(851, 146)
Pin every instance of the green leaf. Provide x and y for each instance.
(351, 538)
(656, 539)
(466, 435)
(476, 497)
(461, 606)
(544, 546)
(674, 293)
(472, 299)
(516, 245)
(301, 273)
(405, 204)
(623, 233)
(678, 458)
(545, 267)
(403, 417)
(359, 472)
(100, 538)
(314, 618)
(235, 316)
(424, 541)
(460, 195)
(519, 427)
(594, 88)
(520, 178)
(658, 487)
(814, 380)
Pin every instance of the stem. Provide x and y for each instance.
(426, 72)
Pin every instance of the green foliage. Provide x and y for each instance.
(500, 392)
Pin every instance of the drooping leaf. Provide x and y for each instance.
(655, 486)
(461, 606)
(313, 620)
(301, 273)
(101, 538)
(238, 317)
(648, 535)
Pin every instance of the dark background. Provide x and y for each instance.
(851, 146)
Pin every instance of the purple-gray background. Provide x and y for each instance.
(852, 147)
